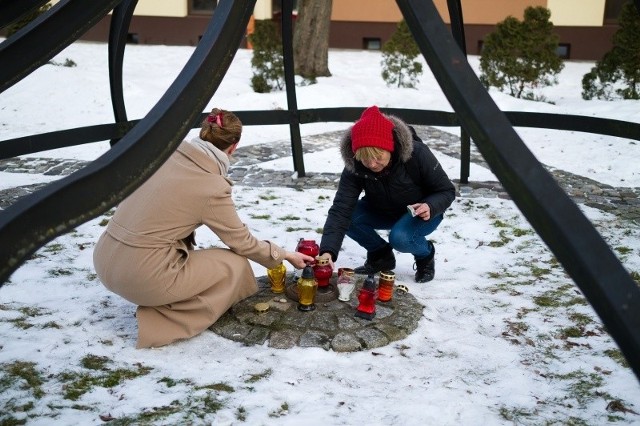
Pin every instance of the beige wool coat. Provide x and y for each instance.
(142, 257)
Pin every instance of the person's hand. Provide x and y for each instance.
(422, 210)
(328, 257)
(298, 260)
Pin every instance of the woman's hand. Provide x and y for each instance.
(422, 210)
(297, 259)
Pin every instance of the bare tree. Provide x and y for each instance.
(311, 38)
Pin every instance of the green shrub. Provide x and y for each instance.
(267, 61)
(521, 56)
(617, 75)
(398, 65)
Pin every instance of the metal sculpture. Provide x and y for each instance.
(143, 145)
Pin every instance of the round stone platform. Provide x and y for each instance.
(332, 325)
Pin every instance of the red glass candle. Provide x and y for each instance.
(367, 298)
(308, 247)
(322, 271)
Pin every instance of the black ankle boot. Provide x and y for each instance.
(425, 268)
(378, 260)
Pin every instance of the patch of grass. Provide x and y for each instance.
(77, 384)
(504, 240)
(500, 224)
(219, 387)
(25, 375)
(562, 296)
(582, 386)
(570, 332)
(103, 222)
(519, 232)
(241, 414)
(59, 272)
(616, 355)
(547, 301)
(282, 411)
(268, 197)
(539, 272)
(580, 319)
(296, 229)
(260, 216)
(27, 312)
(623, 250)
(515, 414)
(289, 217)
(94, 362)
(253, 378)
(53, 248)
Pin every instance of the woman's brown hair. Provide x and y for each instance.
(222, 128)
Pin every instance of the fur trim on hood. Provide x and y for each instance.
(403, 143)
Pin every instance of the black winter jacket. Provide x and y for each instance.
(414, 176)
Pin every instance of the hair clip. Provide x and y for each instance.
(217, 118)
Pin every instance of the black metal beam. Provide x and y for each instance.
(43, 38)
(290, 84)
(78, 136)
(14, 10)
(587, 258)
(119, 30)
(62, 205)
(457, 29)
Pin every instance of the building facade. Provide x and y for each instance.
(585, 27)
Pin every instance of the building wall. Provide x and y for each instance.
(579, 23)
(365, 11)
(485, 12)
(581, 13)
(166, 8)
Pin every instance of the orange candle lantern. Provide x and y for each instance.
(385, 286)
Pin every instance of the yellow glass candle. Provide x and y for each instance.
(307, 288)
(277, 278)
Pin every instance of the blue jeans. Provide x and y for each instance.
(407, 233)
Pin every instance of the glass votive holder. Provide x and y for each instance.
(346, 284)
(277, 277)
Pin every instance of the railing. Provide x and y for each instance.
(143, 145)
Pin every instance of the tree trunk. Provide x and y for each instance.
(311, 38)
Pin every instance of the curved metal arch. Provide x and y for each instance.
(78, 136)
(62, 205)
(12, 10)
(571, 237)
(47, 35)
(120, 21)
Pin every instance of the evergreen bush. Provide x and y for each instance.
(521, 56)
(267, 61)
(618, 73)
(398, 65)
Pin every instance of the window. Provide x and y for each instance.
(132, 38)
(371, 43)
(563, 50)
(202, 6)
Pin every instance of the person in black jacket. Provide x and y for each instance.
(406, 191)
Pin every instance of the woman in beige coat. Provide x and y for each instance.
(146, 253)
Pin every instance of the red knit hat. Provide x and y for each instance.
(372, 129)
